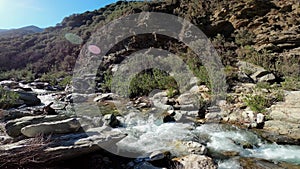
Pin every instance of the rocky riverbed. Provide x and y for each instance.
(139, 136)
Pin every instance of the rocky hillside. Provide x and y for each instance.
(47, 122)
(262, 32)
(20, 31)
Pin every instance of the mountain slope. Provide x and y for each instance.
(243, 30)
(20, 31)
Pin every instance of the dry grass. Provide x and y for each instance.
(29, 154)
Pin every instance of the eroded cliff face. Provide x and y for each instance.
(265, 33)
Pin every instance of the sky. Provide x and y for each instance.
(43, 13)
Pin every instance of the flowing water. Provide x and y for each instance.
(147, 133)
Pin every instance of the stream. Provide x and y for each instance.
(147, 133)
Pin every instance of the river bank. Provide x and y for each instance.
(138, 135)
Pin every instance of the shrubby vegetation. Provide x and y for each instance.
(48, 54)
(291, 83)
(261, 100)
(7, 98)
(257, 103)
(145, 82)
(281, 66)
(24, 74)
(60, 78)
(148, 80)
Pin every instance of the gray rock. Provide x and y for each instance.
(157, 155)
(111, 120)
(5, 139)
(187, 98)
(13, 127)
(57, 127)
(194, 81)
(285, 117)
(257, 73)
(260, 118)
(29, 99)
(76, 97)
(195, 148)
(194, 161)
(158, 94)
(213, 117)
(187, 107)
(160, 97)
(248, 68)
(243, 77)
(263, 76)
(6, 115)
(162, 106)
(62, 147)
(105, 96)
(160, 100)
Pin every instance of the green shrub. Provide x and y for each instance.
(148, 80)
(65, 81)
(7, 98)
(257, 103)
(171, 92)
(278, 96)
(60, 78)
(291, 83)
(106, 84)
(199, 70)
(263, 85)
(24, 74)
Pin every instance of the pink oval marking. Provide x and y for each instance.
(94, 49)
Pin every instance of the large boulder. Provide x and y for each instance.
(6, 115)
(187, 98)
(257, 73)
(189, 101)
(250, 163)
(195, 148)
(63, 147)
(28, 98)
(194, 161)
(263, 76)
(160, 100)
(285, 119)
(13, 127)
(57, 127)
